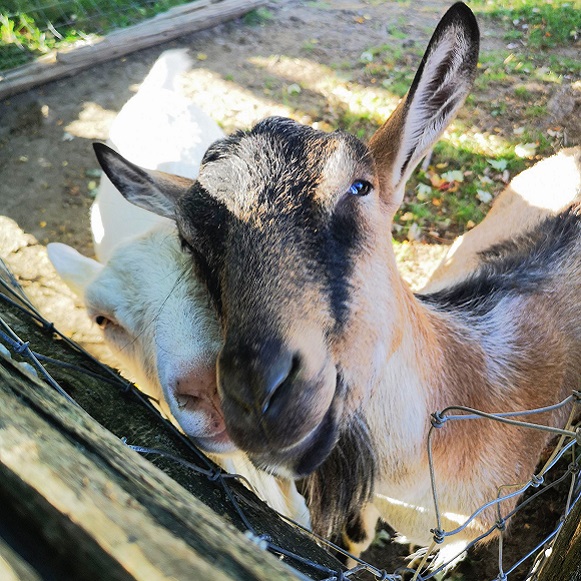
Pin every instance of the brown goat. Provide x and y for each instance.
(331, 367)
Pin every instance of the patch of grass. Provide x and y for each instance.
(522, 93)
(538, 23)
(536, 112)
(258, 17)
(31, 28)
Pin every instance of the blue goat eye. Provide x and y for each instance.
(359, 188)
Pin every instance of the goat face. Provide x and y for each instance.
(159, 323)
(277, 222)
(289, 228)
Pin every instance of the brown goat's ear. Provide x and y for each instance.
(151, 190)
(439, 89)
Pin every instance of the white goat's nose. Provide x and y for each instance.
(197, 384)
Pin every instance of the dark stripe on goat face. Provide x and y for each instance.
(202, 224)
(267, 180)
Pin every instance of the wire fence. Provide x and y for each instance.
(567, 447)
(33, 28)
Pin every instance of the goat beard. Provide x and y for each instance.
(338, 490)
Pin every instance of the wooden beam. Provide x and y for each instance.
(39, 426)
(175, 22)
(108, 509)
(564, 562)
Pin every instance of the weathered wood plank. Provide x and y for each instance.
(175, 22)
(80, 484)
(123, 414)
(13, 567)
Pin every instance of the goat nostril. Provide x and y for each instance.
(286, 373)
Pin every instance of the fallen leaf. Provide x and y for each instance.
(527, 150)
(435, 179)
(498, 164)
(484, 196)
(293, 89)
(453, 176)
(424, 191)
(414, 232)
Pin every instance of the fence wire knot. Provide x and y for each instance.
(21, 347)
(573, 467)
(261, 541)
(214, 475)
(501, 524)
(537, 480)
(439, 535)
(438, 420)
(48, 326)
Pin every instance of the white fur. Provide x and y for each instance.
(157, 128)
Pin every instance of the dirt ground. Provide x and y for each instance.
(241, 73)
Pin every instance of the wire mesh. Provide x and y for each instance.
(32, 28)
(567, 446)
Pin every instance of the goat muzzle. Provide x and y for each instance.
(270, 401)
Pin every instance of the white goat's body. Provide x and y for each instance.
(157, 320)
(157, 128)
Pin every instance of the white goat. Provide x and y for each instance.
(331, 367)
(157, 319)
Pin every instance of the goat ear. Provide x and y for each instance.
(76, 270)
(439, 89)
(151, 190)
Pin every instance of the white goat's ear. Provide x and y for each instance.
(76, 270)
(441, 85)
(151, 190)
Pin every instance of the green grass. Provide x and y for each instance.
(538, 23)
(258, 17)
(32, 28)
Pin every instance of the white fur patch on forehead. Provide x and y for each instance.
(337, 175)
(220, 177)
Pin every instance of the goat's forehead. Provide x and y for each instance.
(280, 161)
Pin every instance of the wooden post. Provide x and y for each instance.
(175, 22)
(564, 562)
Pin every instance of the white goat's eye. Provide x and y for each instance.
(102, 321)
(359, 188)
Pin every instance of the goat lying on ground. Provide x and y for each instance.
(330, 366)
(156, 319)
